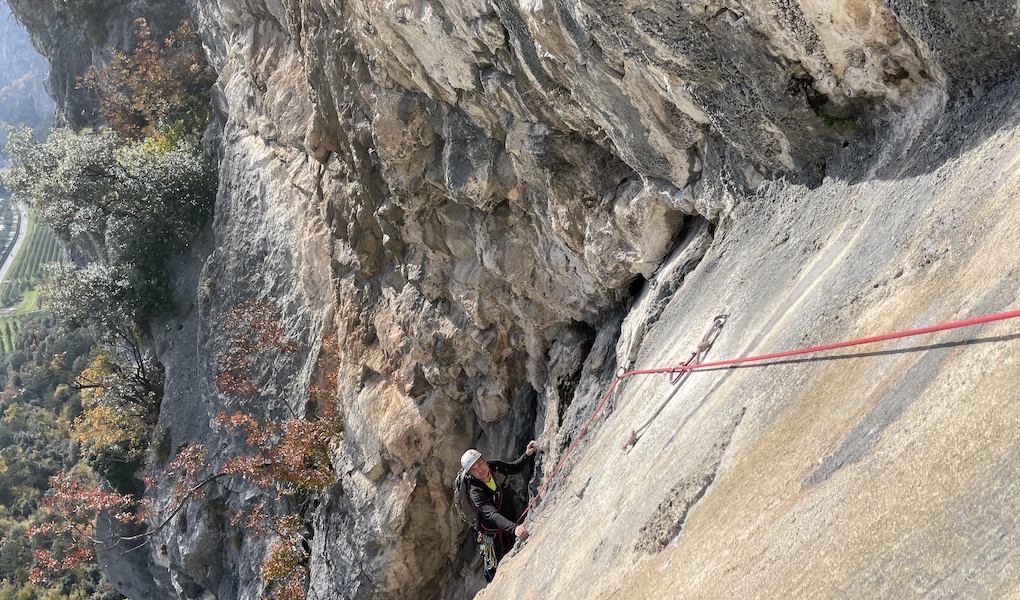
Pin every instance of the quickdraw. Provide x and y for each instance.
(679, 374)
(487, 548)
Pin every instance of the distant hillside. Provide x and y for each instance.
(23, 72)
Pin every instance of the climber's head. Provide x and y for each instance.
(473, 464)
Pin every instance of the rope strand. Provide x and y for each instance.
(677, 377)
(683, 369)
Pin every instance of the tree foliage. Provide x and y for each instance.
(142, 201)
(285, 458)
(131, 196)
(126, 200)
(120, 401)
(288, 458)
(77, 500)
(254, 329)
(285, 571)
(87, 296)
(39, 401)
(122, 387)
(144, 93)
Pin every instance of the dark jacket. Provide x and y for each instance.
(496, 509)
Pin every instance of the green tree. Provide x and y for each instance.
(93, 295)
(142, 201)
(290, 458)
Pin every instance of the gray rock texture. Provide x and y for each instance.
(880, 471)
(498, 203)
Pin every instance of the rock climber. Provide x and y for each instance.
(497, 512)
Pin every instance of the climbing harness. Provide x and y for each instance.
(690, 365)
(487, 548)
(678, 375)
(485, 537)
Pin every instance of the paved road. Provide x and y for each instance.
(22, 230)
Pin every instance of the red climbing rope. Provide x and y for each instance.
(571, 448)
(691, 365)
(870, 340)
(677, 377)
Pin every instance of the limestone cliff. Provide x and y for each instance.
(497, 203)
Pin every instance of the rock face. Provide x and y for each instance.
(878, 471)
(497, 203)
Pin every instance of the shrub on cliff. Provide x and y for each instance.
(120, 402)
(146, 92)
(290, 457)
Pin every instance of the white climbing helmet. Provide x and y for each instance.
(469, 459)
